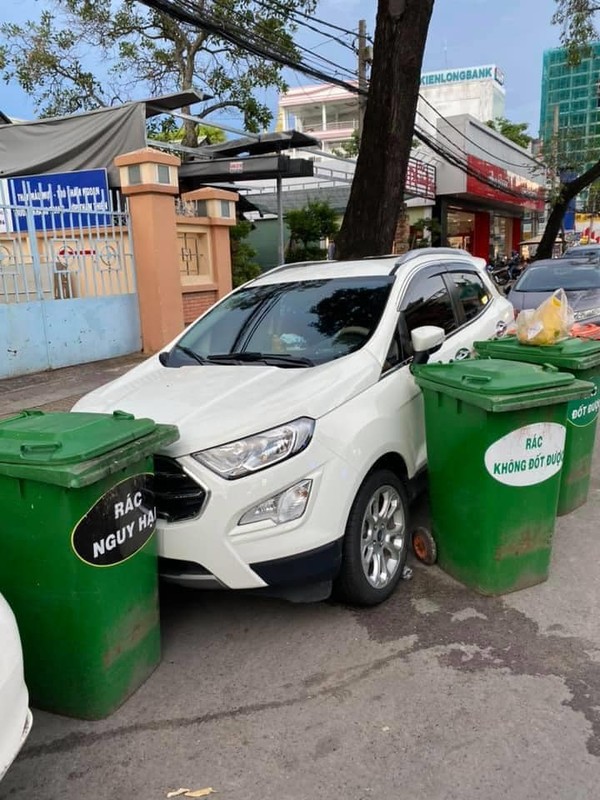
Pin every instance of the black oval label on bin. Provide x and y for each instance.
(118, 524)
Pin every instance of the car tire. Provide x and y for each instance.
(376, 541)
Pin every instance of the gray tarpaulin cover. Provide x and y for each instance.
(66, 144)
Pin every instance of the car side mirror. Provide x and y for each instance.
(426, 341)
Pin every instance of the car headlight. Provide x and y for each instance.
(236, 459)
(587, 314)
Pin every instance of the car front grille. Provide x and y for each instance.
(177, 495)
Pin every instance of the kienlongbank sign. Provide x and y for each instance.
(488, 72)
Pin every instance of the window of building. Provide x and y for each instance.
(134, 174)
(163, 173)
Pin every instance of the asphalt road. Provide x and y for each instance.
(437, 694)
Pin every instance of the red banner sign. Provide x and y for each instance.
(504, 186)
(420, 179)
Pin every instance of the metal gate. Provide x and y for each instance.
(67, 287)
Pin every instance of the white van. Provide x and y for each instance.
(302, 432)
(15, 716)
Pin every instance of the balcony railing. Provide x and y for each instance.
(317, 125)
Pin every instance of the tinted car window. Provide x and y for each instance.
(568, 275)
(319, 320)
(471, 293)
(426, 302)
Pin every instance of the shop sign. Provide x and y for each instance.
(420, 179)
(77, 199)
(118, 524)
(530, 194)
(528, 455)
(488, 72)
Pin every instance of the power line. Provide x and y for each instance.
(441, 134)
(211, 25)
(464, 166)
(315, 19)
(483, 150)
(270, 5)
(232, 34)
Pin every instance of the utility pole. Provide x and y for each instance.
(364, 58)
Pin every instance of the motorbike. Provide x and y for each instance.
(499, 269)
(505, 270)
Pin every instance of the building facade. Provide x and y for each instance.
(330, 113)
(477, 91)
(497, 201)
(570, 107)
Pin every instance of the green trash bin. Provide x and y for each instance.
(78, 563)
(581, 357)
(495, 440)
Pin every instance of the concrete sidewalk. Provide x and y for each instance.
(59, 389)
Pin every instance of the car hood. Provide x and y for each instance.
(579, 300)
(214, 404)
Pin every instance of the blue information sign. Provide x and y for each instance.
(63, 199)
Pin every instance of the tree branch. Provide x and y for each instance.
(216, 106)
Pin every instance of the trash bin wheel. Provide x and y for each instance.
(424, 546)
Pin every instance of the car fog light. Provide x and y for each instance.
(282, 507)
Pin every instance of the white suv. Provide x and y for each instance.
(15, 716)
(302, 431)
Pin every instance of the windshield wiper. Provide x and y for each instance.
(248, 357)
(191, 353)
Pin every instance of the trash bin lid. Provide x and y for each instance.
(571, 353)
(500, 385)
(77, 449)
(33, 437)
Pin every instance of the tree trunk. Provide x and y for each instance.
(552, 229)
(559, 208)
(377, 190)
(190, 133)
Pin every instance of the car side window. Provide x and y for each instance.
(471, 294)
(426, 301)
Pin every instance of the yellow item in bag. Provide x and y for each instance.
(548, 323)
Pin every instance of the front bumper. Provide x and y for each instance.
(211, 550)
(17, 720)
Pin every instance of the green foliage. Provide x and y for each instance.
(166, 129)
(308, 225)
(433, 228)
(243, 268)
(83, 54)
(350, 148)
(578, 27)
(515, 131)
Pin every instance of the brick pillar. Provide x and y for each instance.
(149, 180)
(217, 201)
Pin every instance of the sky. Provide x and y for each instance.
(509, 33)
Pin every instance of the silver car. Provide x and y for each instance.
(580, 278)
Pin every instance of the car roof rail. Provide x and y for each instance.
(429, 251)
(293, 265)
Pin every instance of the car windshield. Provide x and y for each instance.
(559, 275)
(287, 324)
